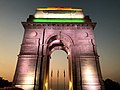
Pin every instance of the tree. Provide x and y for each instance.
(4, 83)
(111, 85)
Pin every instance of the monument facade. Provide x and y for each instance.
(51, 29)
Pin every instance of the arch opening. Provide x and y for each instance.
(58, 71)
(58, 67)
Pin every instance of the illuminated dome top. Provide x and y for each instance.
(59, 12)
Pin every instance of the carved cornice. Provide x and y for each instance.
(58, 26)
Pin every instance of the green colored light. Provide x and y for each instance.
(57, 20)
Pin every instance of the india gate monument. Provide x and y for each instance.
(58, 28)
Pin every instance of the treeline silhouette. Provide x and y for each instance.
(108, 83)
(111, 85)
(4, 83)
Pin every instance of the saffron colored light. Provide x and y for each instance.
(58, 20)
(46, 85)
(59, 8)
(70, 85)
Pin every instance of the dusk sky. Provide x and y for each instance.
(107, 31)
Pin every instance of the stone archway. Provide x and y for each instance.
(75, 36)
(57, 42)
